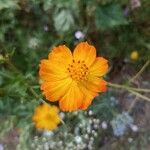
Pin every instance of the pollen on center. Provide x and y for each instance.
(77, 70)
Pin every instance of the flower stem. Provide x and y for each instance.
(128, 88)
(140, 72)
(139, 95)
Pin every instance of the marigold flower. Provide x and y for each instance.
(73, 79)
(46, 117)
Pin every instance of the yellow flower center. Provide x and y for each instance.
(78, 70)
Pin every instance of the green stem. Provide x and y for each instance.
(139, 95)
(11, 65)
(140, 72)
(132, 90)
(34, 93)
(128, 88)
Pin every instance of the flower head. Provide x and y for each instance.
(46, 117)
(79, 35)
(73, 79)
(134, 55)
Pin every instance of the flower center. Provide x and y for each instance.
(78, 70)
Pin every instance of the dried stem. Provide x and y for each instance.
(140, 72)
(128, 87)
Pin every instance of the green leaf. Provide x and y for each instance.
(8, 4)
(47, 4)
(63, 20)
(109, 16)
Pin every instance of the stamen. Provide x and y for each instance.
(78, 70)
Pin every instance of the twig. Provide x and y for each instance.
(140, 72)
(127, 87)
(132, 90)
(139, 95)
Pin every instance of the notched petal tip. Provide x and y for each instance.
(85, 52)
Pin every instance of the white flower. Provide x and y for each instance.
(33, 43)
(79, 35)
(48, 133)
(134, 128)
(46, 28)
(90, 112)
(130, 140)
(104, 125)
(78, 139)
(62, 115)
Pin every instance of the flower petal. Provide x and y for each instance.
(96, 84)
(54, 90)
(61, 55)
(86, 103)
(88, 96)
(91, 88)
(51, 71)
(99, 67)
(72, 100)
(85, 52)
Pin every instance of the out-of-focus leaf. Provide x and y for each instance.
(63, 20)
(109, 16)
(47, 4)
(8, 4)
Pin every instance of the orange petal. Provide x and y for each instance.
(72, 100)
(96, 84)
(85, 52)
(54, 90)
(88, 96)
(51, 71)
(86, 103)
(99, 67)
(61, 55)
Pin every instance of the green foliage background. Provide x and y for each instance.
(30, 28)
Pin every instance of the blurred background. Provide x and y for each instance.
(119, 29)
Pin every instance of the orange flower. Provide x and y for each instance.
(46, 117)
(73, 79)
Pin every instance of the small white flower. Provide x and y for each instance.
(79, 35)
(88, 130)
(86, 136)
(95, 134)
(62, 115)
(46, 146)
(134, 128)
(33, 43)
(90, 112)
(95, 126)
(90, 121)
(130, 140)
(104, 125)
(93, 131)
(48, 133)
(78, 139)
(46, 28)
